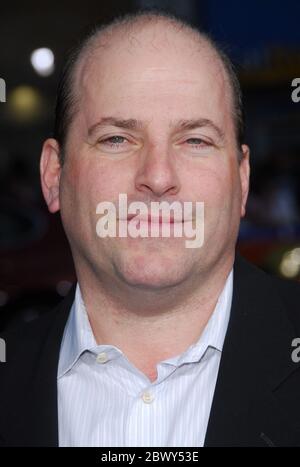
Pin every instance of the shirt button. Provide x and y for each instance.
(147, 397)
(102, 357)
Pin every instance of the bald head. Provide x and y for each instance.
(153, 32)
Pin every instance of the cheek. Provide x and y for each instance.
(84, 186)
(219, 188)
(210, 186)
(90, 184)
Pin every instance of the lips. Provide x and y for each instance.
(152, 219)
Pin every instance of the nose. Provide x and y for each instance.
(157, 173)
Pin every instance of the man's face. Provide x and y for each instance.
(158, 84)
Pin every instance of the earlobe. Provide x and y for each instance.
(244, 177)
(50, 170)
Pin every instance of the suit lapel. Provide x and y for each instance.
(256, 358)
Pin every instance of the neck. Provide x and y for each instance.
(151, 325)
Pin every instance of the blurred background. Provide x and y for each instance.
(263, 38)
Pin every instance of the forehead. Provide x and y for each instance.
(152, 73)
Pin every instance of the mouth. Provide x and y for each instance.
(153, 219)
(156, 220)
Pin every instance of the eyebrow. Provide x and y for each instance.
(127, 124)
(200, 123)
(133, 124)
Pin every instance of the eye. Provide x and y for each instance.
(197, 142)
(113, 141)
(197, 145)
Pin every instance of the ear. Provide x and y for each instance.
(244, 169)
(50, 169)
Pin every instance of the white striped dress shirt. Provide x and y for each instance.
(104, 400)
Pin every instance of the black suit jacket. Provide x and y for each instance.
(257, 395)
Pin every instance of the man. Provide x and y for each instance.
(158, 344)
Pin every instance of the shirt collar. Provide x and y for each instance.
(79, 338)
(78, 335)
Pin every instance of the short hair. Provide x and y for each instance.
(65, 107)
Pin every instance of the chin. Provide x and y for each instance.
(152, 272)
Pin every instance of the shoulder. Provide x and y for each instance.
(26, 337)
(272, 288)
